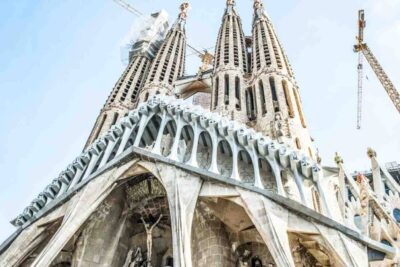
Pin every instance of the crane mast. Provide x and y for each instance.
(363, 50)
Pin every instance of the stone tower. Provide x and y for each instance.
(169, 64)
(230, 67)
(175, 185)
(273, 95)
(125, 93)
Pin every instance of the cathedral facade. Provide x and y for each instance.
(214, 169)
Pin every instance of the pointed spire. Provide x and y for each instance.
(259, 11)
(180, 22)
(230, 6)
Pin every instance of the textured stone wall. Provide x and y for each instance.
(101, 243)
(210, 243)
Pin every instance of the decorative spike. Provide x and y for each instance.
(371, 153)
(184, 7)
(338, 159)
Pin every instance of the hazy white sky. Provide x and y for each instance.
(60, 59)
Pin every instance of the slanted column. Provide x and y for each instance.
(254, 158)
(110, 146)
(317, 176)
(142, 126)
(235, 152)
(179, 126)
(376, 175)
(92, 163)
(214, 139)
(78, 174)
(129, 127)
(157, 144)
(275, 167)
(299, 182)
(196, 134)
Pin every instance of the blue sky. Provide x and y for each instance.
(60, 59)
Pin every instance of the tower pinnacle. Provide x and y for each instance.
(169, 63)
(259, 11)
(184, 7)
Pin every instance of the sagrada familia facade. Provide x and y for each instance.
(214, 169)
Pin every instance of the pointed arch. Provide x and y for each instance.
(288, 99)
(237, 93)
(262, 97)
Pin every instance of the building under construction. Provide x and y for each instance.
(212, 169)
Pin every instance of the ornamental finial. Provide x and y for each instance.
(257, 4)
(230, 2)
(184, 7)
(338, 159)
(371, 153)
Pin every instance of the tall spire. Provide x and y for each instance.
(259, 11)
(125, 93)
(230, 66)
(169, 63)
(275, 105)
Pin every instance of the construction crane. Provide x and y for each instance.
(206, 58)
(363, 50)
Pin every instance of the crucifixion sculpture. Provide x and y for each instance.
(149, 232)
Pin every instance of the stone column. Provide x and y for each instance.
(182, 190)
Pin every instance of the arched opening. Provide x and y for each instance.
(216, 92)
(267, 176)
(274, 94)
(226, 91)
(167, 139)
(131, 227)
(298, 144)
(146, 97)
(204, 150)
(288, 99)
(115, 118)
(262, 97)
(185, 143)
(224, 159)
(245, 167)
(237, 93)
(150, 133)
(250, 107)
(299, 109)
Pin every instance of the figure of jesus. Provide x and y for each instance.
(149, 232)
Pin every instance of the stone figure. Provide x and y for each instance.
(136, 260)
(149, 232)
(243, 257)
(278, 127)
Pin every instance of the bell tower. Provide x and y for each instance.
(169, 63)
(274, 106)
(230, 67)
(124, 95)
